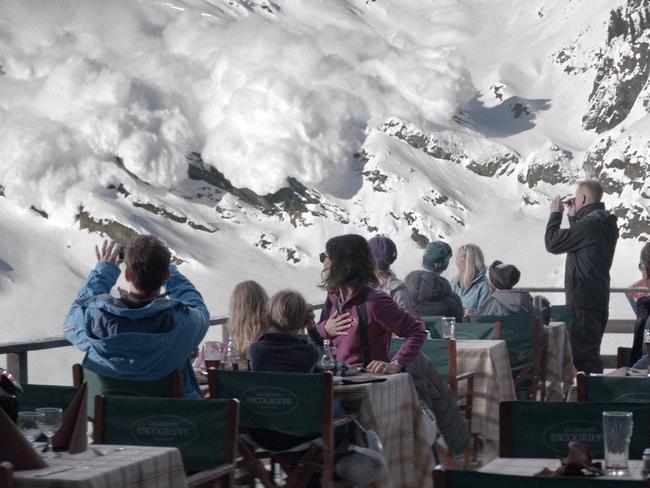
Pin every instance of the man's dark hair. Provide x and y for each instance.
(147, 260)
(351, 263)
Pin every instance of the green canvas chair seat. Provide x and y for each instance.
(561, 313)
(613, 388)
(544, 429)
(37, 396)
(167, 387)
(465, 479)
(204, 431)
(298, 403)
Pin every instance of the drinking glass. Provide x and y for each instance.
(212, 353)
(29, 425)
(50, 423)
(617, 432)
(448, 327)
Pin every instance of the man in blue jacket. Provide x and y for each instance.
(144, 334)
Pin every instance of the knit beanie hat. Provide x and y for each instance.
(503, 276)
(436, 256)
(383, 250)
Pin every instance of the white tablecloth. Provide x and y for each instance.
(559, 362)
(131, 466)
(531, 466)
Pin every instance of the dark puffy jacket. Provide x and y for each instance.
(642, 322)
(589, 242)
(434, 392)
(508, 302)
(430, 294)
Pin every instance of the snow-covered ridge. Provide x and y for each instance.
(248, 132)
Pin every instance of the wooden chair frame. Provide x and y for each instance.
(224, 473)
(315, 459)
(6, 475)
(622, 355)
(455, 378)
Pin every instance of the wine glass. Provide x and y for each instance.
(50, 423)
(29, 424)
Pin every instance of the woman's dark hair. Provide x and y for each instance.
(351, 263)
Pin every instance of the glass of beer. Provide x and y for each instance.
(646, 346)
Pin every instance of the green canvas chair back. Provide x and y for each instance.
(518, 331)
(38, 396)
(285, 402)
(202, 430)
(433, 324)
(464, 479)
(561, 313)
(437, 350)
(613, 389)
(623, 355)
(475, 330)
(166, 387)
(544, 429)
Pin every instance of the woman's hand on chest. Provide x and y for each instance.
(338, 325)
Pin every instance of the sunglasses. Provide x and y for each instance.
(322, 257)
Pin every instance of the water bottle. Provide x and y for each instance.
(327, 361)
(232, 353)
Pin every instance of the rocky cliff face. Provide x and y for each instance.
(623, 66)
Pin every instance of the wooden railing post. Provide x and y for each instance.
(17, 365)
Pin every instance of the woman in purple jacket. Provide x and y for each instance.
(349, 277)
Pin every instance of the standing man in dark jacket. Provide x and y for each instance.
(589, 242)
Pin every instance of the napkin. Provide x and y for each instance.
(73, 433)
(579, 462)
(15, 448)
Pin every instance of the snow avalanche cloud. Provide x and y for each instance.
(262, 93)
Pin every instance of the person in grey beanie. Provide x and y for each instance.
(384, 251)
(429, 293)
(504, 300)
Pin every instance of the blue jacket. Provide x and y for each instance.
(137, 343)
(475, 294)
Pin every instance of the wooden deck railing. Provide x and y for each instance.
(17, 360)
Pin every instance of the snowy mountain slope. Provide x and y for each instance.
(247, 133)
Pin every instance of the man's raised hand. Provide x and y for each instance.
(109, 252)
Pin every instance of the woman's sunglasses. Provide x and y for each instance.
(322, 257)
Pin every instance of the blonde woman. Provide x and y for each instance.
(471, 284)
(248, 315)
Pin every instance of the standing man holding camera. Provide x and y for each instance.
(589, 242)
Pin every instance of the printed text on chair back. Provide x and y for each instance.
(196, 427)
(287, 402)
(544, 429)
(38, 396)
(617, 389)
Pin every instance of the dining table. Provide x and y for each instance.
(532, 466)
(389, 405)
(109, 466)
(493, 384)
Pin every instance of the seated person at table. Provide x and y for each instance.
(471, 284)
(385, 253)
(349, 275)
(637, 356)
(429, 294)
(504, 300)
(279, 349)
(248, 318)
(144, 334)
(633, 297)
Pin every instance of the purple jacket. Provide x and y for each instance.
(384, 317)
